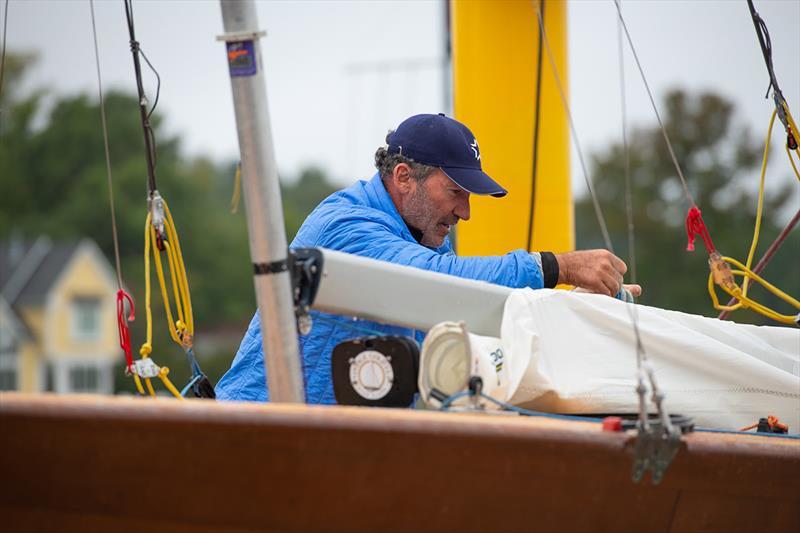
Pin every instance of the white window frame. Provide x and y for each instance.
(62, 379)
(76, 317)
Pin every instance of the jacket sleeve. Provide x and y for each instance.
(379, 238)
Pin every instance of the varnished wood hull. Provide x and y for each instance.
(86, 463)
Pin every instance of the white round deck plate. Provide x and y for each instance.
(371, 375)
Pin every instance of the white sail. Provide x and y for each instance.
(566, 352)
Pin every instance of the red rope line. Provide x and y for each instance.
(695, 225)
(122, 324)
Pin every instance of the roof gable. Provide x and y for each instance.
(11, 326)
(28, 271)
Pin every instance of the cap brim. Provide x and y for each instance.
(474, 181)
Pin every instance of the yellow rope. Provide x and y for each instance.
(721, 273)
(760, 205)
(150, 389)
(151, 241)
(237, 188)
(168, 384)
(791, 160)
(183, 280)
(795, 134)
(792, 125)
(725, 280)
(163, 286)
(148, 313)
(138, 382)
(179, 281)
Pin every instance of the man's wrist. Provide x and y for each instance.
(550, 269)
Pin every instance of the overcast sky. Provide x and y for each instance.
(339, 74)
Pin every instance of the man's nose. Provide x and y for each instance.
(462, 208)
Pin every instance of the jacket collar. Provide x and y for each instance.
(379, 198)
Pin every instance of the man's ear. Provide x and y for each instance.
(401, 177)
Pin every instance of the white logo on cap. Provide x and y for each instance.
(474, 147)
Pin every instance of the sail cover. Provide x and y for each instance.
(567, 352)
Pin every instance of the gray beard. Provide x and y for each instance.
(417, 215)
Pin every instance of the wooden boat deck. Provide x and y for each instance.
(89, 463)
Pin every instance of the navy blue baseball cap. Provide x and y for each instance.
(440, 141)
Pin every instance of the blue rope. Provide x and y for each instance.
(795, 436)
(196, 371)
(188, 386)
(528, 412)
(525, 412)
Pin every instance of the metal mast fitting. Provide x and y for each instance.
(262, 195)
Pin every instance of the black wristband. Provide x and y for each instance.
(549, 269)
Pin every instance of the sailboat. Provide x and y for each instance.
(118, 464)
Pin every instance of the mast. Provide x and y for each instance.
(262, 195)
(503, 38)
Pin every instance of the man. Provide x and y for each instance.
(426, 174)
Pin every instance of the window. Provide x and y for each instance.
(8, 371)
(84, 378)
(69, 376)
(86, 319)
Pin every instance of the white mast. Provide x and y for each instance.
(262, 196)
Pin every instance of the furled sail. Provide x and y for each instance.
(565, 352)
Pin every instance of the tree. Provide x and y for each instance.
(721, 163)
(53, 181)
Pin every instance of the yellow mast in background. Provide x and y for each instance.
(495, 69)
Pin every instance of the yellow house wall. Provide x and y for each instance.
(30, 376)
(34, 319)
(84, 278)
(31, 352)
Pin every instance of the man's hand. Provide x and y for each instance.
(597, 271)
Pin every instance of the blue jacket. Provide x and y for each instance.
(362, 220)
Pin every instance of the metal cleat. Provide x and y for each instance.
(721, 272)
(655, 449)
(146, 368)
(157, 214)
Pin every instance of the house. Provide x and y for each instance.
(58, 328)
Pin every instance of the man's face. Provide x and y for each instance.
(434, 206)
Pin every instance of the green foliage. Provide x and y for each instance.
(721, 163)
(53, 181)
(303, 196)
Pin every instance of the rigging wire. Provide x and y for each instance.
(641, 357)
(644, 368)
(537, 121)
(122, 295)
(161, 235)
(765, 42)
(149, 136)
(655, 107)
(627, 157)
(105, 147)
(597, 210)
(721, 272)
